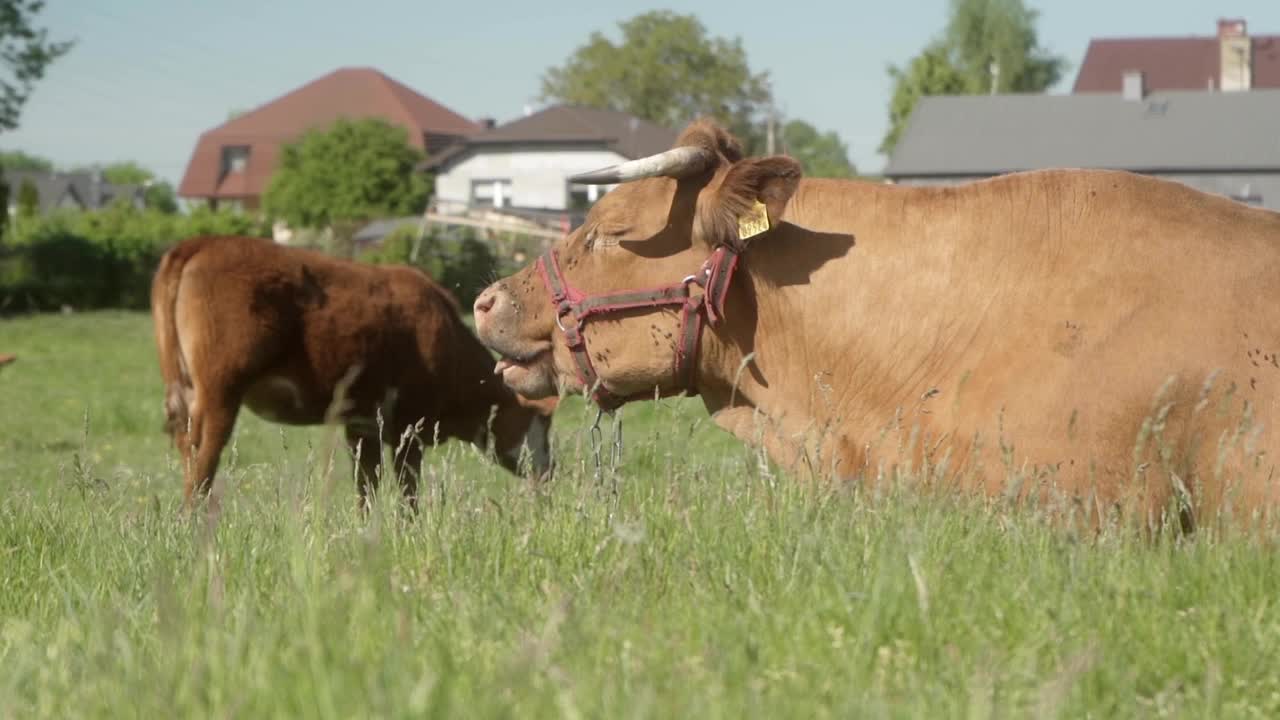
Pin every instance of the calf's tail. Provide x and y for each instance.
(164, 298)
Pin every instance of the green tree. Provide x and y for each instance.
(1000, 32)
(4, 210)
(820, 154)
(25, 51)
(126, 173)
(28, 200)
(346, 174)
(988, 45)
(19, 160)
(667, 70)
(160, 196)
(929, 73)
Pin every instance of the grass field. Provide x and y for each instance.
(709, 588)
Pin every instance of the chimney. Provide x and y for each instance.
(1235, 56)
(488, 123)
(1135, 85)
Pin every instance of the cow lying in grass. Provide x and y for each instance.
(302, 338)
(1112, 337)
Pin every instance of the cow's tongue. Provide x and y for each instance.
(503, 364)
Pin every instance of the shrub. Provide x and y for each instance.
(459, 262)
(99, 259)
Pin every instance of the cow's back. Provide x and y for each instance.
(308, 335)
(1113, 328)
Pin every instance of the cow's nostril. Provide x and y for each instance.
(484, 303)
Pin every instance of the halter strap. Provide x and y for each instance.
(713, 278)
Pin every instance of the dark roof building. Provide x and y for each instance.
(234, 161)
(1222, 142)
(70, 190)
(523, 166)
(568, 125)
(1231, 60)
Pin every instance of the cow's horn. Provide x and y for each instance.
(674, 163)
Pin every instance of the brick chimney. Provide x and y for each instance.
(1236, 56)
(1134, 86)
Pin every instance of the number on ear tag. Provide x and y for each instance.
(754, 222)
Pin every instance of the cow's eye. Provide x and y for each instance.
(602, 238)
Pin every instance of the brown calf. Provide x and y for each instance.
(303, 338)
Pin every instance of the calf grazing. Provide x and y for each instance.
(303, 338)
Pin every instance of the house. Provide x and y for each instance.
(1220, 142)
(232, 163)
(1231, 60)
(522, 168)
(84, 190)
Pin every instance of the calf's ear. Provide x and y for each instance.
(749, 202)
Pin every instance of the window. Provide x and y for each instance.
(582, 197)
(234, 158)
(491, 193)
(1247, 196)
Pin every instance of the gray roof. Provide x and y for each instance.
(1192, 131)
(84, 189)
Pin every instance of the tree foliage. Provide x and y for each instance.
(988, 45)
(351, 172)
(667, 70)
(820, 154)
(25, 51)
(929, 73)
(28, 200)
(100, 258)
(159, 196)
(982, 32)
(19, 160)
(126, 173)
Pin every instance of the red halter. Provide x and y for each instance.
(713, 278)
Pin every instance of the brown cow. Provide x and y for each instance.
(1114, 334)
(5, 359)
(303, 338)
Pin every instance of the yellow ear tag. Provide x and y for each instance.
(754, 222)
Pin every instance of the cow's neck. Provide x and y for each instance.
(478, 390)
(844, 306)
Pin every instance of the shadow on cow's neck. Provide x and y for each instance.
(791, 254)
(786, 257)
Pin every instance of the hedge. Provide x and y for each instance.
(106, 258)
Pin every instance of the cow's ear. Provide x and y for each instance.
(749, 202)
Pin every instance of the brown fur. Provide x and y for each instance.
(1108, 337)
(6, 359)
(303, 338)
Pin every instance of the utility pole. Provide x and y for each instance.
(769, 135)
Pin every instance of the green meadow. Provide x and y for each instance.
(686, 577)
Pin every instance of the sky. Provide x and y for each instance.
(146, 77)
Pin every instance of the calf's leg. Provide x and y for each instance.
(212, 421)
(367, 452)
(408, 463)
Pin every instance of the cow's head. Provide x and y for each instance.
(667, 215)
(523, 425)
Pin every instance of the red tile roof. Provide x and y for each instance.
(1170, 63)
(347, 92)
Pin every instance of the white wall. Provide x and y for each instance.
(539, 178)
